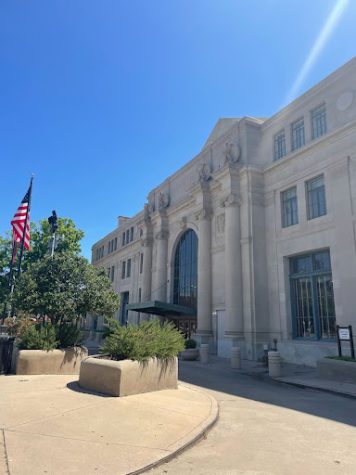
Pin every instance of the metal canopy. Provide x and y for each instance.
(160, 308)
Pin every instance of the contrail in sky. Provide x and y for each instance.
(324, 35)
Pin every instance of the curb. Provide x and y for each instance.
(316, 388)
(189, 440)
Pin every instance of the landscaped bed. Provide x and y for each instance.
(337, 368)
(122, 378)
(134, 359)
(61, 361)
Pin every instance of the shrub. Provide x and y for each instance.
(190, 343)
(15, 326)
(147, 340)
(68, 334)
(37, 337)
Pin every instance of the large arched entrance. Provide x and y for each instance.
(185, 279)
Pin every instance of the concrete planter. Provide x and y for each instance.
(64, 361)
(337, 369)
(122, 378)
(189, 354)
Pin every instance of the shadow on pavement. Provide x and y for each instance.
(260, 388)
(74, 386)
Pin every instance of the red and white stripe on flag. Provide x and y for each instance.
(19, 220)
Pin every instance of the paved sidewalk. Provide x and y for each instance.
(48, 425)
(296, 375)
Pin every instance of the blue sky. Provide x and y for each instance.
(103, 99)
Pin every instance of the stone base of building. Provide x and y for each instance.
(306, 352)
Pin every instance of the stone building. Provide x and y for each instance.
(254, 239)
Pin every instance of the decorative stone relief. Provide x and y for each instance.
(151, 202)
(163, 200)
(204, 171)
(232, 153)
(183, 222)
(203, 214)
(162, 235)
(344, 101)
(231, 200)
(146, 213)
(220, 224)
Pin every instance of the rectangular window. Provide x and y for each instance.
(109, 247)
(128, 268)
(289, 207)
(139, 294)
(141, 262)
(115, 245)
(298, 138)
(318, 119)
(131, 234)
(112, 273)
(108, 271)
(123, 270)
(315, 194)
(279, 145)
(312, 296)
(123, 239)
(127, 236)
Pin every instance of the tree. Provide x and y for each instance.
(64, 288)
(68, 241)
(5, 257)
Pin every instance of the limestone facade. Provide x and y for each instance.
(260, 195)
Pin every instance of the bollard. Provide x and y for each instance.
(204, 353)
(235, 359)
(274, 364)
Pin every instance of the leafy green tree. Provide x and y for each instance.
(68, 241)
(64, 288)
(5, 257)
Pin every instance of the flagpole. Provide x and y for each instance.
(24, 231)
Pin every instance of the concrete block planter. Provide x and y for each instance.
(189, 354)
(126, 377)
(337, 369)
(64, 361)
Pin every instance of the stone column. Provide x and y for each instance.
(204, 330)
(233, 274)
(160, 292)
(147, 270)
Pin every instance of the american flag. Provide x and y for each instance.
(22, 219)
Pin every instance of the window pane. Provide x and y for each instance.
(289, 207)
(185, 270)
(326, 307)
(304, 308)
(279, 145)
(313, 307)
(318, 121)
(316, 202)
(321, 261)
(298, 139)
(301, 265)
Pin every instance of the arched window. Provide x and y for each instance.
(185, 270)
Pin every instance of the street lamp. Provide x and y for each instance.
(54, 226)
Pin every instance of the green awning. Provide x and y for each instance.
(164, 309)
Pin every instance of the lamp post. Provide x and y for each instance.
(54, 226)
